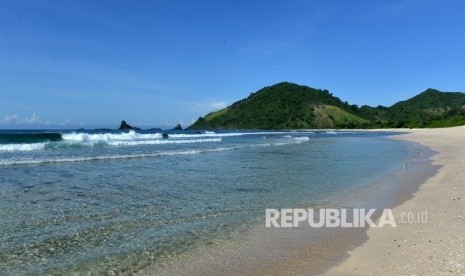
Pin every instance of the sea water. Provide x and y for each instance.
(116, 202)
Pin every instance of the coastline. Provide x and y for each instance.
(433, 248)
(295, 251)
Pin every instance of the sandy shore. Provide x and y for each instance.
(436, 247)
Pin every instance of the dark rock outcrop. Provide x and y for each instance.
(126, 126)
(177, 127)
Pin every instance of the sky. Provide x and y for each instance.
(72, 64)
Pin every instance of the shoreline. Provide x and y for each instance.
(433, 248)
(298, 251)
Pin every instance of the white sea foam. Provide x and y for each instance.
(134, 136)
(294, 140)
(104, 137)
(209, 134)
(90, 140)
(110, 157)
(232, 134)
(302, 139)
(22, 147)
(131, 138)
(161, 142)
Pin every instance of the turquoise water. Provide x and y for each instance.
(118, 202)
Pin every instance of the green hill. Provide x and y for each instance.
(283, 106)
(291, 106)
(431, 108)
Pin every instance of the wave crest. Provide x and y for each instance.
(22, 147)
(104, 137)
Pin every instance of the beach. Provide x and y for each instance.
(433, 248)
(98, 205)
(416, 246)
(102, 201)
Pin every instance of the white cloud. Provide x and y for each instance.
(30, 121)
(218, 105)
(204, 107)
(19, 120)
(9, 118)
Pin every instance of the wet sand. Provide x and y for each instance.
(303, 250)
(436, 247)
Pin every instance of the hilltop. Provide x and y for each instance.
(290, 106)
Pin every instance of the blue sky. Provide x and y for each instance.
(67, 64)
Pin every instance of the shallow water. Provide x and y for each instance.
(118, 202)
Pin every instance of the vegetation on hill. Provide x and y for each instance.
(431, 108)
(291, 106)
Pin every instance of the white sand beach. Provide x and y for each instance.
(433, 248)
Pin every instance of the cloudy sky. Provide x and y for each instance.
(67, 64)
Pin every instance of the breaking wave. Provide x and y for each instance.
(30, 161)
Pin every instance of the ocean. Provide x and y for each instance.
(110, 202)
